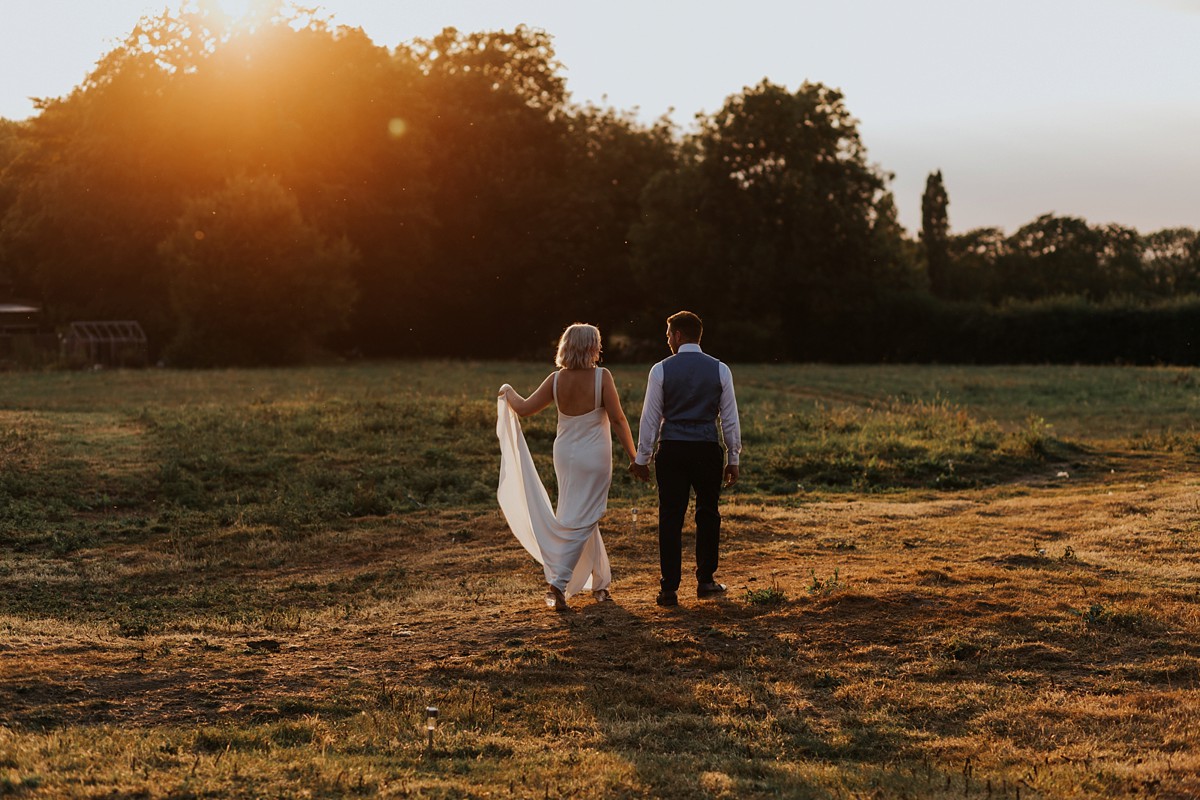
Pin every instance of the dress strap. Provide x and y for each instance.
(599, 394)
(554, 386)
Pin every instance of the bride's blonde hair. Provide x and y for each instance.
(578, 347)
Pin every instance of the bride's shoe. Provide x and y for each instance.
(602, 596)
(555, 599)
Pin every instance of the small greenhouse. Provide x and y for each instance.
(119, 343)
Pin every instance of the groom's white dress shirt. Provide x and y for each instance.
(652, 411)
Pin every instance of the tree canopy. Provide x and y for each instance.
(774, 209)
(249, 280)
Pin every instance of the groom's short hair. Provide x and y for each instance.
(688, 324)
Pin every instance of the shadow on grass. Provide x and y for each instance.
(700, 701)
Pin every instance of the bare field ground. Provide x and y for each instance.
(1035, 637)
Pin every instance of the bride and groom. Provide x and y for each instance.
(688, 411)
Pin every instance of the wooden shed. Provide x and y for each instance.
(24, 339)
(18, 319)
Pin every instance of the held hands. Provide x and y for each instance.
(732, 473)
(642, 473)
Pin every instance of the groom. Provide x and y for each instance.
(689, 397)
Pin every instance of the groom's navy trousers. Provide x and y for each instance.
(684, 467)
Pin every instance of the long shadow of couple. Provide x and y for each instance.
(686, 701)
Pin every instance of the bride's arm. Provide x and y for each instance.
(524, 406)
(616, 415)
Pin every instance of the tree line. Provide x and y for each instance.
(257, 193)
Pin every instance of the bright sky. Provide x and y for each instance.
(1087, 108)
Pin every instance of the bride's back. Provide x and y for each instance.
(577, 391)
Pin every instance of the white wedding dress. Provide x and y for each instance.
(565, 541)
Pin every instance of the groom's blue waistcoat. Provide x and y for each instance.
(691, 398)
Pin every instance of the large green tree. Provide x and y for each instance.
(13, 280)
(975, 256)
(1121, 261)
(1051, 256)
(92, 200)
(774, 220)
(1172, 261)
(498, 157)
(250, 281)
(611, 156)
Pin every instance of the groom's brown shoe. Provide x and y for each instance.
(667, 598)
(711, 589)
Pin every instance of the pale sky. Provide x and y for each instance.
(1087, 108)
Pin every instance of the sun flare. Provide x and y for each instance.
(237, 11)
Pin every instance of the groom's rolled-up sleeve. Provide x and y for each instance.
(651, 421)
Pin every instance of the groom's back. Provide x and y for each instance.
(691, 397)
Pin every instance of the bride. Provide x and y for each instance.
(565, 540)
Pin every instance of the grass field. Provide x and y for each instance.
(945, 582)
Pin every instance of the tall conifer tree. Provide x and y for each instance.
(935, 233)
